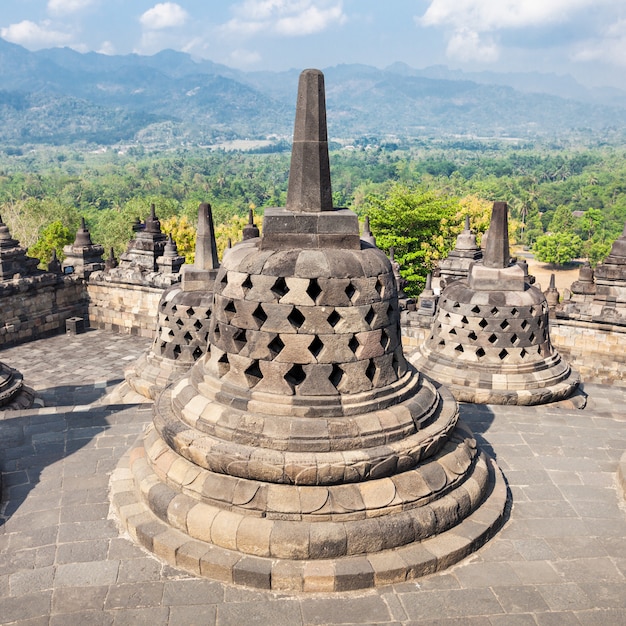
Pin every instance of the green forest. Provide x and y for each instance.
(565, 202)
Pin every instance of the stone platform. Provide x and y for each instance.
(560, 558)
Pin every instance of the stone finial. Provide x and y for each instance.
(83, 238)
(171, 249)
(552, 294)
(206, 247)
(309, 175)
(153, 225)
(497, 253)
(250, 230)
(54, 265)
(367, 235)
(111, 262)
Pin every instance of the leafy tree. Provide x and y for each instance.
(562, 220)
(184, 235)
(416, 223)
(53, 237)
(557, 249)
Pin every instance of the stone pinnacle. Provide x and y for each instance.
(206, 247)
(309, 175)
(497, 253)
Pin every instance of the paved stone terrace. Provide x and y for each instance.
(560, 558)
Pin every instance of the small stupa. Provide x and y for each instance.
(183, 318)
(303, 452)
(14, 262)
(457, 264)
(83, 257)
(490, 341)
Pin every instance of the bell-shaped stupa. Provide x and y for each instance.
(303, 452)
(183, 318)
(458, 262)
(490, 341)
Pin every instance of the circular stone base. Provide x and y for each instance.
(322, 575)
(25, 398)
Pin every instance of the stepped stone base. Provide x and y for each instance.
(227, 546)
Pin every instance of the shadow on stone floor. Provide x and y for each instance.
(71, 395)
(479, 418)
(33, 440)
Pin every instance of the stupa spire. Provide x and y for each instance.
(309, 175)
(497, 254)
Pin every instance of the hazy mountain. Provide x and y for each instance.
(62, 96)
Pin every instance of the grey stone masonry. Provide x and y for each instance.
(302, 452)
(490, 340)
(13, 259)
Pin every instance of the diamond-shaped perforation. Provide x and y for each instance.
(224, 280)
(442, 342)
(514, 311)
(540, 322)
(524, 324)
(370, 371)
(472, 335)
(197, 353)
(296, 319)
(384, 340)
(514, 338)
(295, 376)
(464, 320)
(483, 323)
(452, 331)
(240, 339)
(476, 309)
(459, 348)
(197, 324)
(503, 354)
(316, 346)
(276, 346)
(223, 365)
(351, 291)
(456, 305)
(259, 316)
(230, 307)
(188, 337)
(494, 310)
(531, 337)
(333, 319)
(313, 290)
(217, 332)
(480, 353)
(523, 353)
(492, 338)
(353, 344)
(531, 311)
(179, 322)
(336, 375)
(176, 351)
(379, 287)
(279, 288)
(174, 308)
(247, 284)
(253, 374)
(370, 315)
(190, 312)
(504, 325)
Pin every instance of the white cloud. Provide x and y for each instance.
(473, 26)
(467, 45)
(67, 6)
(107, 48)
(290, 18)
(164, 15)
(244, 58)
(32, 35)
(488, 15)
(610, 48)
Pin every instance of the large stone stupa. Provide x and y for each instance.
(490, 341)
(303, 452)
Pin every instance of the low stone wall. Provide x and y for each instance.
(123, 308)
(597, 351)
(36, 307)
(413, 336)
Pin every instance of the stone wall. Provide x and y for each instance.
(35, 307)
(597, 351)
(124, 308)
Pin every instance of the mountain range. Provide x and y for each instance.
(60, 96)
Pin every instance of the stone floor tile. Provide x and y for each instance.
(345, 610)
(451, 603)
(565, 597)
(277, 613)
(520, 599)
(134, 595)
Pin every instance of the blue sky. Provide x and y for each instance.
(585, 38)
